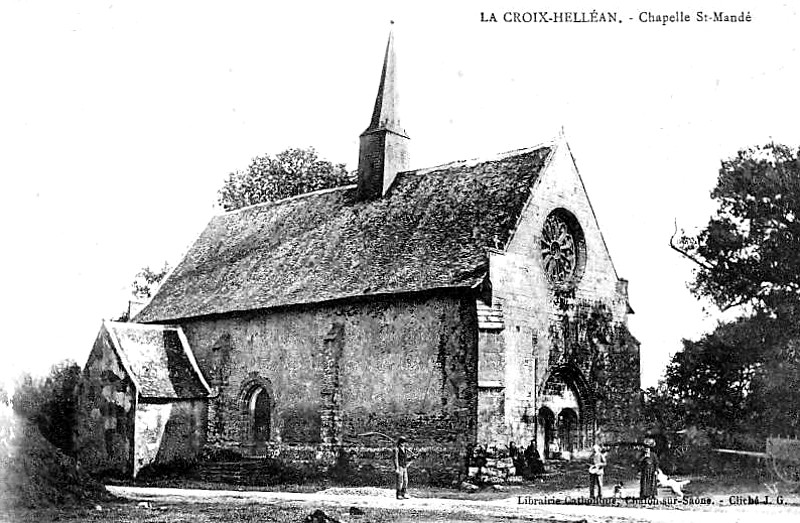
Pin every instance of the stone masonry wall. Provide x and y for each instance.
(382, 154)
(546, 327)
(105, 412)
(168, 432)
(371, 465)
(400, 365)
(619, 391)
(491, 377)
(411, 370)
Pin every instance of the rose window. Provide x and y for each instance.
(562, 248)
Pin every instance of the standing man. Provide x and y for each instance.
(596, 471)
(401, 467)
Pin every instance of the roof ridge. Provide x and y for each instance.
(483, 159)
(423, 170)
(287, 199)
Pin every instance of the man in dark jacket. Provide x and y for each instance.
(401, 463)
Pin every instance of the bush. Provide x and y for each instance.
(50, 403)
(177, 469)
(33, 473)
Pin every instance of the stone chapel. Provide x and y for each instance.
(471, 302)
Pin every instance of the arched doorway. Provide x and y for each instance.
(547, 430)
(565, 392)
(568, 430)
(257, 415)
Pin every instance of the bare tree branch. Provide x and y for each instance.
(684, 253)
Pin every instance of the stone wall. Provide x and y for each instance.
(371, 465)
(432, 465)
(399, 365)
(168, 432)
(619, 389)
(491, 411)
(118, 433)
(550, 328)
(382, 154)
(105, 412)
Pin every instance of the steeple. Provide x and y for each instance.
(383, 148)
(385, 116)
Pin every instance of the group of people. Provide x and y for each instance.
(648, 470)
(528, 463)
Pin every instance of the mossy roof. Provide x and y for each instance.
(159, 361)
(430, 231)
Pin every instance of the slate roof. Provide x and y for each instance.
(430, 231)
(159, 360)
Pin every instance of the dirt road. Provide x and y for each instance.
(533, 507)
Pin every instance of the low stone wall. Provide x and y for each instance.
(375, 465)
(495, 472)
(347, 464)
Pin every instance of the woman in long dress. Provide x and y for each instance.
(648, 467)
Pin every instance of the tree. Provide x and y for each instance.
(711, 379)
(738, 383)
(748, 253)
(147, 280)
(289, 173)
(50, 403)
(741, 379)
(144, 285)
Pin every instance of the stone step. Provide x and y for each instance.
(229, 471)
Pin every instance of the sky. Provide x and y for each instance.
(120, 121)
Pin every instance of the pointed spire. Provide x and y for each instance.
(383, 150)
(386, 114)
